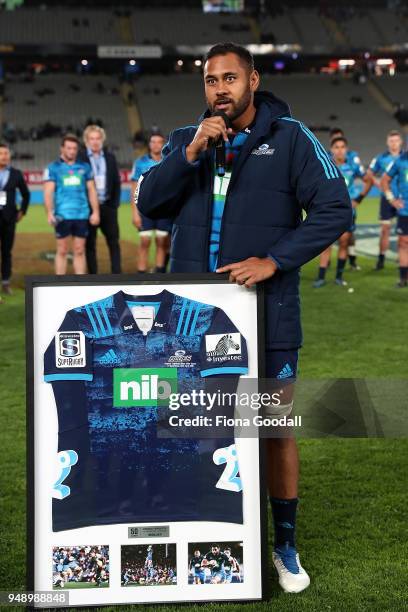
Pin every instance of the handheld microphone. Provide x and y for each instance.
(220, 145)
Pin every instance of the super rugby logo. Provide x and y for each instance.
(220, 347)
(70, 349)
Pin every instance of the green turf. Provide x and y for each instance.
(82, 585)
(352, 519)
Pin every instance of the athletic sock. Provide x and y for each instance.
(340, 268)
(403, 274)
(284, 520)
(322, 273)
(352, 260)
(381, 258)
(160, 269)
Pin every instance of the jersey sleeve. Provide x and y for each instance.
(375, 166)
(136, 171)
(89, 175)
(69, 354)
(50, 174)
(392, 169)
(223, 348)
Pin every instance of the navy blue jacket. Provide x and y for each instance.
(112, 177)
(263, 209)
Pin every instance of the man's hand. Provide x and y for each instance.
(94, 218)
(211, 128)
(51, 219)
(250, 271)
(136, 218)
(397, 203)
(20, 215)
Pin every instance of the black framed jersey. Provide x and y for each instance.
(112, 365)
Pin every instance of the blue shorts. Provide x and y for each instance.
(200, 575)
(220, 574)
(163, 225)
(281, 364)
(387, 212)
(402, 225)
(72, 227)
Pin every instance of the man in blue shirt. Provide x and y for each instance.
(351, 171)
(69, 190)
(398, 171)
(147, 226)
(387, 212)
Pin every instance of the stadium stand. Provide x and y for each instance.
(188, 27)
(395, 88)
(312, 30)
(393, 28)
(35, 113)
(52, 26)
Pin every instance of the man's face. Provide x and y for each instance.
(197, 553)
(94, 141)
(394, 143)
(4, 156)
(69, 150)
(339, 151)
(215, 550)
(229, 86)
(156, 144)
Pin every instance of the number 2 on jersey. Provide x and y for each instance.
(230, 481)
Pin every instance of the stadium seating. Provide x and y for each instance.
(395, 88)
(189, 27)
(73, 100)
(30, 26)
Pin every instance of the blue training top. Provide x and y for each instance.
(71, 195)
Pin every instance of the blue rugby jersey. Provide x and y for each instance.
(232, 149)
(71, 194)
(142, 165)
(379, 165)
(398, 170)
(351, 171)
(115, 467)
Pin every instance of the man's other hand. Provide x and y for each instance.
(250, 271)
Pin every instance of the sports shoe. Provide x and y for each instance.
(340, 282)
(379, 266)
(292, 576)
(5, 289)
(355, 268)
(320, 282)
(402, 284)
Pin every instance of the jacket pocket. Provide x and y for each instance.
(283, 325)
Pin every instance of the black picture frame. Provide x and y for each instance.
(34, 281)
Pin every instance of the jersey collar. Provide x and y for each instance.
(126, 321)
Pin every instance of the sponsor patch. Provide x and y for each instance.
(70, 349)
(223, 347)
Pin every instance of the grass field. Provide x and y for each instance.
(352, 525)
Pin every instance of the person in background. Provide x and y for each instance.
(107, 182)
(11, 180)
(69, 190)
(146, 226)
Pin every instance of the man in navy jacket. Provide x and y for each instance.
(249, 223)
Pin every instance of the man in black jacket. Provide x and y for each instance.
(11, 180)
(107, 182)
(249, 222)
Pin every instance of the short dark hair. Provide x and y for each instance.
(336, 130)
(153, 134)
(229, 47)
(339, 139)
(70, 138)
(390, 133)
(4, 145)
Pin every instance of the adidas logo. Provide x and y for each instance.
(109, 358)
(286, 372)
